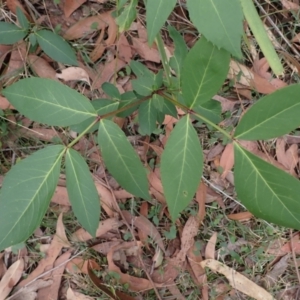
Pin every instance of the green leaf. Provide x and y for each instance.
(141, 70)
(127, 98)
(221, 22)
(56, 47)
(102, 107)
(169, 109)
(10, 33)
(147, 117)
(143, 86)
(211, 110)
(181, 166)
(50, 102)
(82, 192)
(127, 16)
(26, 193)
(22, 19)
(267, 192)
(204, 71)
(121, 160)
(180, 53)
(157, 13)
(272, 116)
(111, 90)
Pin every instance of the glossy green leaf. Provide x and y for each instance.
(22, 19)
(211, 110)
(180, 53)
(143, 86)
(272, 116)
(204, 71)
(10, 33)
(102, 107)
(127, 16)
(221, 22)
(128, 98)
(26, 193)
(82, 192)
(56, 47)
(147, 117)
(267, 192)
(181, 166)
(157, 13)
(50, 102)
(111, 90)
(141, 70)
(121, 160)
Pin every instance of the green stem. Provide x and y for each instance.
(182, 106)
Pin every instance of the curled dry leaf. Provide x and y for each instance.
(211, 246)
(82, 235)
(71, 5)
(106, 199)
(237, 280)
(289, 158)
(74, 73)
(61, 233)
(200, 198)
(241, 216)
(146, 226)
(41, 67)
(227, 160)
(11, 278)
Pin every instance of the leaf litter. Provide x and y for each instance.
(197, 236)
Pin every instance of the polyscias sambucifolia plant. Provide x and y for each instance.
(189, 81)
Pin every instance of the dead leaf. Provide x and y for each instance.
(80, 265)
(124, 48)
(227, 160)
(61, 196)
(211, 246)
(146, 226)
(51, 291)
(200, 198)
(73, 295)
(241, 216)
(61, 233)
(104, 248)
(289, 5)
(174, 290)
(71, 5)
(12, 6)
(99, 284)
(82, 235)
(3, 268)
(11, 278)
(4, 104)
(106, 199)
(145, 51)
(74, 73)
(289, 159)
(237, 280)
(41, 67)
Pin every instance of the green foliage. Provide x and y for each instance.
(189, 81)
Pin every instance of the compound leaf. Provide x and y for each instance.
(10, 33)
(121, 160)
(221, 22)
(268, 192)
(82, 192)
(56, 47)
(181, 166)
(50, 102)
(26, 193)
(204, 71)
(272, 116)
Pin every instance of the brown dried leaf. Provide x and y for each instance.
(61, 233)
(289, 5)
(82, 235)
(174, 290)
(106, 199)
(41, 67)
(73, 295)
(80, 265)
(200, 198)
(61, 196)
(211, 246)
(194, 258)
(71, 5)
(74, 73)
(145, 51)
(241, 216)
(237, 280)
(227, 160)
(124, 48)
(12, 6)
(104, 248)
(289, 158)
(146, 226)
(11, 278)
(4, 104)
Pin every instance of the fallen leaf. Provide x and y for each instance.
(61, 196)
(145, 51)
(82, 235)
(289, 5)
(124, 48)
(237, 280)
(174, 290)
(12, 6)
(200, 198)
(74, 73)
(73, 295)
(41, 67)
(61, 233)
(80, 265)
(104, 248)
(3, 268)
(106, 199)
(241, 216)
(4, 104)
(210, 248)
(227, 160)
(71, 5)
(288, 158)
(11, 278)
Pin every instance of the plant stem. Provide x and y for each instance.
(180, 105)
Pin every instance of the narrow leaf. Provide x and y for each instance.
(56, 47)
(204, 71)
(147, 117)
(10, 33)
(121, 160)
(26, 193)
(22, 19)
(267, 192)
(127, 16)
(181, 166)
(221, 22)
(82, 192)
(272, 116)
(47, 101)
(157, 13)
